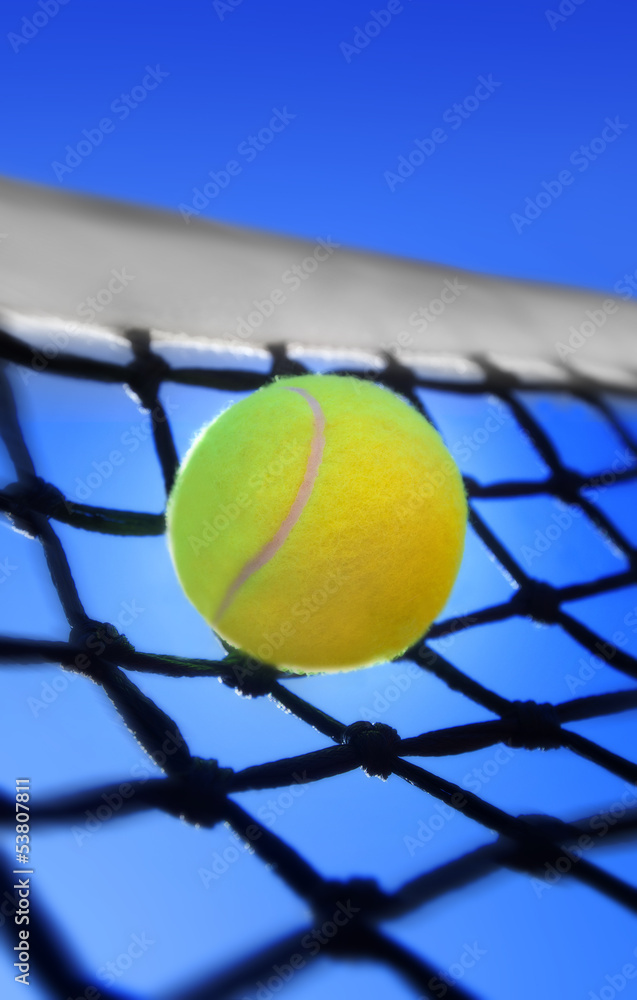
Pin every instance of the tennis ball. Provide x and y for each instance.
(318, 524)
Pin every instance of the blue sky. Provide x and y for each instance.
(554, 83)
(295, 132)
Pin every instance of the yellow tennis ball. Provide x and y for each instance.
(318, 524)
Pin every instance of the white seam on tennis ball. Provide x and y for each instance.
(270, 549)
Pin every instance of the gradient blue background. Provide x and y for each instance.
(324, 174)
(354, 119)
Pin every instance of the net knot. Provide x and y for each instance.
(538, 600)
(533, 726)
(543, 852)
(94, 639)
(248, 677)
(31, 496)
(376, 745)
(144, 376)
(198, 794)
(567, 484)
(341, 910)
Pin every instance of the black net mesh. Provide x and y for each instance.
(200, 791)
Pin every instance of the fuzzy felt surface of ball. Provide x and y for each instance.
(318, 524)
